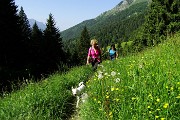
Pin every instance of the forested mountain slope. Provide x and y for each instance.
(115, 24)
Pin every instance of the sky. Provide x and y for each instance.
(66, 13)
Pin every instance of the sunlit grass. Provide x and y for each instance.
(49, 99)
(144, 86)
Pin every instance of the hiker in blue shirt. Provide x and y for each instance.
(113, 52)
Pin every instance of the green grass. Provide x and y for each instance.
(145, 86)
(49, 100)
(140, 87)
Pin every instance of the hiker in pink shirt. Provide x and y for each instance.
(94, 54)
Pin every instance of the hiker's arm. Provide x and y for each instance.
(88, 59)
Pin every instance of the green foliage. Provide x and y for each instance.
(83, 45)
(162, 21)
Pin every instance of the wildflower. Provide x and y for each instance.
(117, 80)
(172, 88)
(158, 100)
(162, 118)
(156, 116)
(165, 105)
(99, 102)
(100, 76)
(112, 89)
(113, 73)
(117, 89)
(149, 107)
(150, 112)
(110, 113)
(107, 96)
(158, 109)
(94, 99)
(178, 83)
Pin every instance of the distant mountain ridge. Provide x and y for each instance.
(41, 25)
(120, 12)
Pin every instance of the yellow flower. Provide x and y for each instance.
(178, 83)
(158, 100)
(112, 89)
(110, 113)
(149, 107)
(94, 99)
(165, 105)
(158, 109)
(117, 89)
(162, 118)
(99, 102)
(107, 96)
(156, 116)
(172, 88)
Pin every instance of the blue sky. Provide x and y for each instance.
(67, 13)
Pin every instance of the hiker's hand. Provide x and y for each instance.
(87, 63)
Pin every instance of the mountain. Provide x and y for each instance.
(117, 23)
(41, 25)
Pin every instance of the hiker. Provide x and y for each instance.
(94, 54)
(113, 52)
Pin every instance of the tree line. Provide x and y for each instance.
(25, 52)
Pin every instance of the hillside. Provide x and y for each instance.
(141, 86)
(117, 23)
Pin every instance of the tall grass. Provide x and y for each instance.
(145, 86)
(49, 100)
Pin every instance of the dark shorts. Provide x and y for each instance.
(94, 63)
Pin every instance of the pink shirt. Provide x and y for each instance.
(94, 53)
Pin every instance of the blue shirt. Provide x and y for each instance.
(112, 52)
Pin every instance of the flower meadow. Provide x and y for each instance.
(138, 87)
(145, 86)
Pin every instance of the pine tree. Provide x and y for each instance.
(83, 45)
(36, 51)
(11, 47)
(26, 34)
(52, 45)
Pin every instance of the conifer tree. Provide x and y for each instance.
(52, 45)
(36, 51)
(26, 34)
(83, 45)
(11, 51)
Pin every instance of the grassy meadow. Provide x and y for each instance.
(50, 99)
(145, 86)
